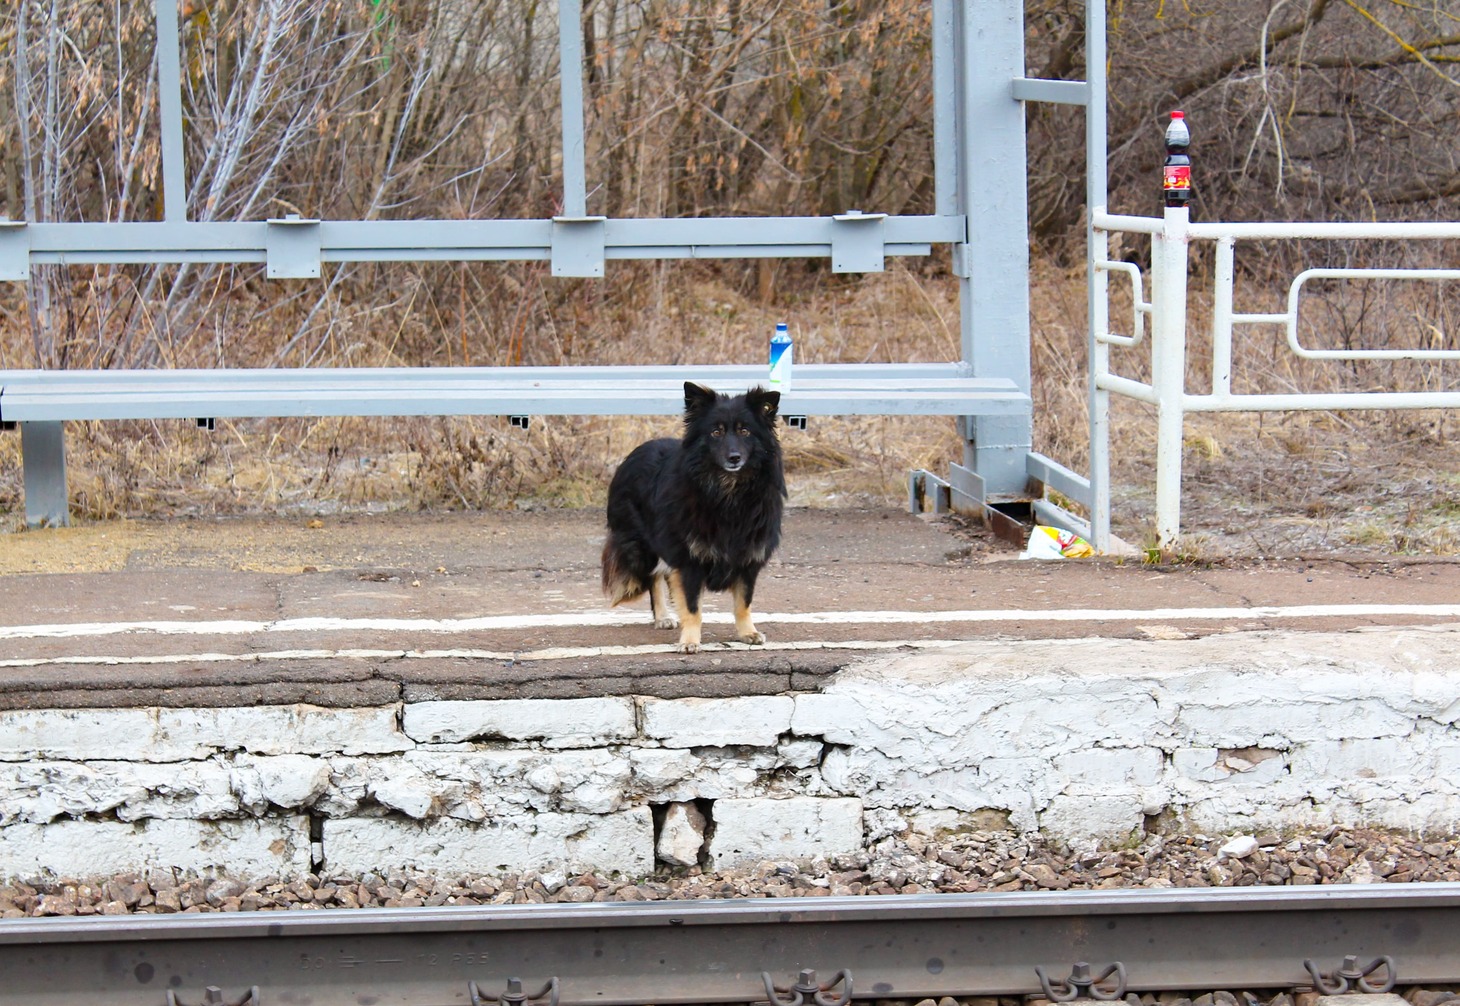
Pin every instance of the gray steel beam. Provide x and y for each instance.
(715, 951)
(570, 85)
(1059, 478)
(993, 261)
(1060, 92)
(945, 108)
(304, 377)
(169, 101)
(414, 240)
(43, 458)
(461, 392)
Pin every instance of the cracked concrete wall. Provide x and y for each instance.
(1082, 739)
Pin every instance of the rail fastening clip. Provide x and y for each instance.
(1350, 976)
(808, 989)
(213, 996)
(514, 996)
(1083, 985)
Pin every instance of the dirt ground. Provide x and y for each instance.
(1320, 485)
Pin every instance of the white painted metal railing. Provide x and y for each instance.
(1171, 236)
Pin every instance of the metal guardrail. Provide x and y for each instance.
(818, 389)
(40, 402)
(1171, 237)
(729, 951)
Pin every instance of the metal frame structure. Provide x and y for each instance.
(980, 211)
(980, 162)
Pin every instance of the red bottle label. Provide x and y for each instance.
(1176, 176)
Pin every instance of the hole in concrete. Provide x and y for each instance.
(706, 808)
(316, 843)
(1159, 824)
(682, 832)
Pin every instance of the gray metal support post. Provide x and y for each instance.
(43, 456)
(1097, 281)
(578, 239)
(993, 263)
(570, 82)
(169, 102)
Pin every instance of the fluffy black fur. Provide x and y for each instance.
(700, 513)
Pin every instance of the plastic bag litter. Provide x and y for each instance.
(1055, 543)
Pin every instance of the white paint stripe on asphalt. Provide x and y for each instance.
(595, 619)
(505, 656)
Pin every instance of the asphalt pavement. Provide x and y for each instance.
(375, 609)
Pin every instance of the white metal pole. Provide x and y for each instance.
(1222, 298)
(1168, 369)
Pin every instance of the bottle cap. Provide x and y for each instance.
(1178, 115)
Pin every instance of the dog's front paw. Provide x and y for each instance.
(753, 638)
(688, 647)
(668, 622)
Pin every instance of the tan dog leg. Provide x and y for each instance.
(744, 627)
(689, 621)
(659, 601)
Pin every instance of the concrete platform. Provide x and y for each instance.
(365, 610)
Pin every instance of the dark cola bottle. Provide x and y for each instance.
(1176, 175)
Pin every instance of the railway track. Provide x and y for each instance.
(1104, 943)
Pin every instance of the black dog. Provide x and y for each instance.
(699, 513)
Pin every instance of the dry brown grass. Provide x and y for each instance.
(700, 315)
(1255, 484)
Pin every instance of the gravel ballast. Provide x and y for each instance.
(902, 864)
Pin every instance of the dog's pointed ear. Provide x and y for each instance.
(697, 397)
(766, 403)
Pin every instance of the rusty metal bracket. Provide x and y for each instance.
(1081, 984)
(213, 996)
(808, 990)
(1350, 976)
(921, 484)
(514, 996)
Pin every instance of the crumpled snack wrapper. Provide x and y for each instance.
(1055, 543)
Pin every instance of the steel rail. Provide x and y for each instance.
(716, 951)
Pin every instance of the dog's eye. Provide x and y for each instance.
(744, 431)
(718, 431)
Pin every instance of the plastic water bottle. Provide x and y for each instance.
(781, 359)
(1176, 174)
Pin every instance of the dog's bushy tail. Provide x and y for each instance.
(620, 581)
